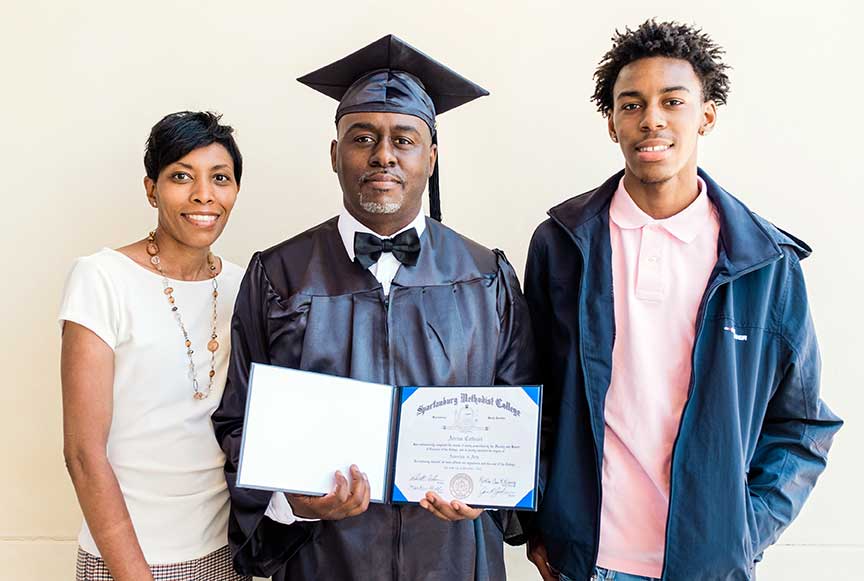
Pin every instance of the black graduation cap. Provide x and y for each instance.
(392, 76)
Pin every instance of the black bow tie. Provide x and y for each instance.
(368, 248)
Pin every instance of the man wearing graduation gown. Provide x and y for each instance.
(379, 293)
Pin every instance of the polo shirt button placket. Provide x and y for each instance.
(649, 276)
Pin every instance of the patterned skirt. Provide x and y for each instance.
(213, 567)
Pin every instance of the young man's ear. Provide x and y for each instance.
(709, 117)
(611, 125)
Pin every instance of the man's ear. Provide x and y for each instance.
(433, 157)
(333, 145)
(610, 123)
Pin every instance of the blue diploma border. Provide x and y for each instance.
(529, 501)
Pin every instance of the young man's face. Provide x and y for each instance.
(657, 117)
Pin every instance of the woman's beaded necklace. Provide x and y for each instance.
(213, 344)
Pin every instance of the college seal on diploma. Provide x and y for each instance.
(461, 486)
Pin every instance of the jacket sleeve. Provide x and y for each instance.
(539, 307)
(515, 364)
(259, 545)
(798, 427)
(543, 318)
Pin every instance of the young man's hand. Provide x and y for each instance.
(450, 511)
(536, 552)
(342, 502)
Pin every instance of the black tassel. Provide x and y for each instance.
(434, 191)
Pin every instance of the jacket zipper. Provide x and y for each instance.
(597, 458)
(701, 322)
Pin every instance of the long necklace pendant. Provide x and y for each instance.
(168, 290)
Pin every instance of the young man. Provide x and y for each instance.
(379, 293)
(682, 412)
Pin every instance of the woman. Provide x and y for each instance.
(143, 365)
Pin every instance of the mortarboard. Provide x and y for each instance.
(392, 76)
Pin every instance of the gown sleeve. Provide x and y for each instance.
(515, 363)
(259, 545)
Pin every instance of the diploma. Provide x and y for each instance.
(301, 427)
(478, 445)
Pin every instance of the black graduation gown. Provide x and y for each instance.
(457, 317)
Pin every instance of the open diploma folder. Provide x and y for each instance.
(479, 445)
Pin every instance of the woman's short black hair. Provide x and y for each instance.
(179, 133)
(664, 39)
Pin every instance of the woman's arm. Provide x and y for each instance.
(87, 375)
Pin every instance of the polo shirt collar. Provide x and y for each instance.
(686, 225)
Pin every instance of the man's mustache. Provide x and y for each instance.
(371, 174)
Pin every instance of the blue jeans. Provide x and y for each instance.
(601, 574)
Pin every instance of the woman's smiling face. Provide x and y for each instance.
(195, 195)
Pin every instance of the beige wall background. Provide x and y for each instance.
(82, 83)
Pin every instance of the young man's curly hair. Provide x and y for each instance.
(663, 39)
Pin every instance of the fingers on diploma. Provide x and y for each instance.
(358, 502)
(340, 488)
(451, 511)
(439, 508)
(348, 499)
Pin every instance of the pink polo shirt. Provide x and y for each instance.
(660, 269)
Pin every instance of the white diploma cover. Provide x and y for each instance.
(479, 445)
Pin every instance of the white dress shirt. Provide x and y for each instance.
(384, 272)
(387, 266)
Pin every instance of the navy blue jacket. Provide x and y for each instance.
(754, 434)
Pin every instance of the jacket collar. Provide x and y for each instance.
(746, 240)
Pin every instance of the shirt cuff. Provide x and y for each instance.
(280, 510)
